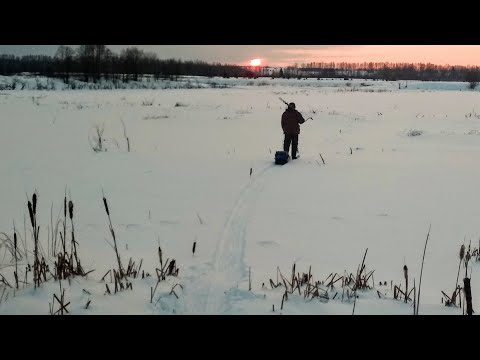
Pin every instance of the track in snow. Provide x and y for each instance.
(206, 294)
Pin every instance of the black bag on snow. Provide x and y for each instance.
(281, 157)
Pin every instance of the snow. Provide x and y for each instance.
(187, 179)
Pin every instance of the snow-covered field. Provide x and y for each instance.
(187, 179)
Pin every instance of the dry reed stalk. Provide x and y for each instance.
(120, 267)
(421, 271)
(15, 252)
(322, 158)
(249, 279)
(358, 277)
(414, 297)
(461, 255)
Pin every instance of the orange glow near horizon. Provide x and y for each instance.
(436, 54)
(255, 62)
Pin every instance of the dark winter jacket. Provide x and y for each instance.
(291, 119)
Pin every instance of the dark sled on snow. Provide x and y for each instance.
(281, 157)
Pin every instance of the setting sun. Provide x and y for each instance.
(255, 62)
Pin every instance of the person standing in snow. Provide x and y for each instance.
(291, 120)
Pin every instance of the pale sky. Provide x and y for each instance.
(285, 55)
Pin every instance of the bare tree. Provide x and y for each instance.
(132, 58)
(99, 55)
(85, 56)
(473, 78)
(64, 56)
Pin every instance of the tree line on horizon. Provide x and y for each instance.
(91, 63)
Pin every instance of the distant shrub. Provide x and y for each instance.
(413, 132)
(96, 138)
(473, 78)
(50, 84)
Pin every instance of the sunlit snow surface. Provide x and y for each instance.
(396, 162)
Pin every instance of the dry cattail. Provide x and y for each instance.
(462, 252)
(171, 267)
(70, 209)
(106, 206)
(34, 199)
(194, 244)
(30, 212)
(405, 273)
(65, 206)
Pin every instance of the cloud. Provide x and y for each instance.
(21, 50)
(317, 51)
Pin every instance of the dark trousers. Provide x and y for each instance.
(293, 139)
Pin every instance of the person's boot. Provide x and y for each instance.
(294, 152)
